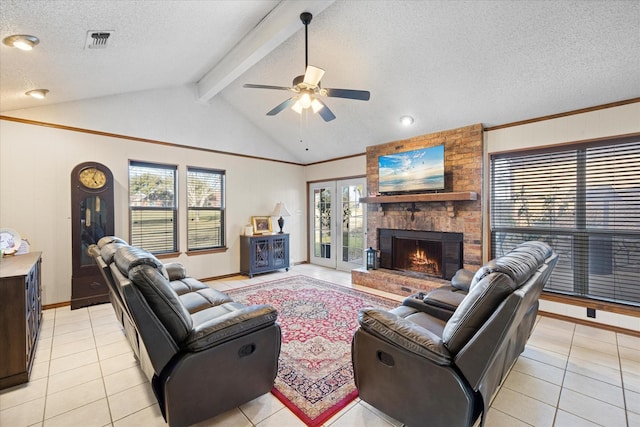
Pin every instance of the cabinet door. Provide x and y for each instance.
(260, 249)
(280, 257)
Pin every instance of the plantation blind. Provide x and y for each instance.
(584, 201)
(153, 207)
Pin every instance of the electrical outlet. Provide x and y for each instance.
(591, 312)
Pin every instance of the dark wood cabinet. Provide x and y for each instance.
(20, 316)
(261, 254)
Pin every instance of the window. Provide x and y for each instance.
(153, 207)
(205, 200)
(585, 202)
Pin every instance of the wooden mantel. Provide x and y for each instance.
(425, 197)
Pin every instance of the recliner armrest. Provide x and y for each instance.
(176, 271)
(405, 334)
(227, 326)
(462, 279)
(425, 305)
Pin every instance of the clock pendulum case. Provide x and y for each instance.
(92, 214)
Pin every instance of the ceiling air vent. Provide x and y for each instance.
(97, 39)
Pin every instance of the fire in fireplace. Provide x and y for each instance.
(421, 252)
(420, 256)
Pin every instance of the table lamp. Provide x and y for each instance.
(280, 211)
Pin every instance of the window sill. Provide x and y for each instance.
(207, 251)
(167, 255)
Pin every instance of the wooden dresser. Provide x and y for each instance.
(20, 316)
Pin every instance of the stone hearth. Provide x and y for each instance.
(394, 282)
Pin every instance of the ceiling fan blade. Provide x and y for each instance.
(281, 106)
(313, 75)
(362, 95)
(252, 86)
(325, 112)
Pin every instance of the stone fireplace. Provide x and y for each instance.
(454, 213)
(421, 253)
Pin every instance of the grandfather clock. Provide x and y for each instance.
(91, 219)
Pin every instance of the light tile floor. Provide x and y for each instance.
(85, 375)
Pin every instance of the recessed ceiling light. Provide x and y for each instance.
(21, 41)
(406, 120)
(38, 93)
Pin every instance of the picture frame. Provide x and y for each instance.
(261, 224)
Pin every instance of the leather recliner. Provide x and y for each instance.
(202, 352)
(438, 359)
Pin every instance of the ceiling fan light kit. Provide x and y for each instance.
(307, 87)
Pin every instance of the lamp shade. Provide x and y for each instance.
(281, 210)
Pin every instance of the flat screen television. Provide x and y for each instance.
(412, 171)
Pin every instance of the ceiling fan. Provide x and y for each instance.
(307, 87)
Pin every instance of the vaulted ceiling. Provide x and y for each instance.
(445, 63)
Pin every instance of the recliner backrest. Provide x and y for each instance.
(163, 300)
(160, 347)
(519, 263)
(490, 286)
(108, 251)
(128, 257)
(109, 239)
(474, 310)
(150, 277)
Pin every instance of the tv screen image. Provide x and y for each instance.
(412, 171)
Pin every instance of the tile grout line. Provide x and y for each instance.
(104, 385)
(46, 389)
(564, 375)
(624, 393)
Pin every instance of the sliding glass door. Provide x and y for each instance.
(337, 223)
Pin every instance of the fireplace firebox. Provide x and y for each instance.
(428, 253)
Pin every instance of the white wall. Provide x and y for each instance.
(343, 168)
(170, 115)
(35, 199)
(614, 121)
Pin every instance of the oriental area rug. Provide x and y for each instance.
(318, 320)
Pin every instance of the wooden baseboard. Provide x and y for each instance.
(56, 305)
(610, 307)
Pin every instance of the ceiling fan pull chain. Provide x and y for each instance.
(306, 127)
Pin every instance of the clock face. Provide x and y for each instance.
(92, 177)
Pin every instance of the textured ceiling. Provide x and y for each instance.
(446, 63)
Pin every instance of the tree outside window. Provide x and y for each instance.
(153, 207)
(206, 208)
